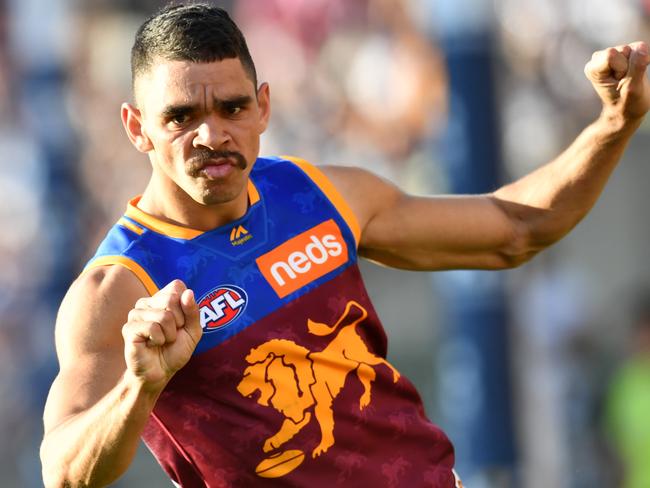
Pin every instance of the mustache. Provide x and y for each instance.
(202, 157)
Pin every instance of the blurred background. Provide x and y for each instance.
(540, 375)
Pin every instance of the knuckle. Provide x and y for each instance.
(614, 58)
(632, 91)
(132, 315)
(599, 56)
(154, 329)
(128, 329)
(168, 317)
(178, 285)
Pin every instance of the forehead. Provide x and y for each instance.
(172, 82)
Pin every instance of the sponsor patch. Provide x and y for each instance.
(221, 307)
(304, 258)
(239, 235)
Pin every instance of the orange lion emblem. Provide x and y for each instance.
(298, 382)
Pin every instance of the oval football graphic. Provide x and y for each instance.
(221, 307)
(280, 464)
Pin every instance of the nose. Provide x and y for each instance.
(212, 133)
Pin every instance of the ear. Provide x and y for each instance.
(132, 121)
(264, 104)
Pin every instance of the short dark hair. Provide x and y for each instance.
(198, 32)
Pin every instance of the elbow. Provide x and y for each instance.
(57, 472)
(54, 477)
(515, 260)
(53, 470)
(61, 475)
(526, 231)
(58, 482)
(519, 248)
(58, 477)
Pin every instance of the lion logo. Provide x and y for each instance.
(302, 384)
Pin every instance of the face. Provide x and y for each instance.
(200, 123)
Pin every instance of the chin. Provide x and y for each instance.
(214, 197)
(209, 192)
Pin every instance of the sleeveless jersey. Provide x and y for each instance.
(289, 385)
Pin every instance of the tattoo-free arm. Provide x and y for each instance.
(507, 227)
(95, 410)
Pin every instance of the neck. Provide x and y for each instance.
(178, 208)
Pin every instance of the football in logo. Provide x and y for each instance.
(221, 307)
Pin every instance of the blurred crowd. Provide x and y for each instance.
(359, 82)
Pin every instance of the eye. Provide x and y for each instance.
(234, 109)
(179, 119)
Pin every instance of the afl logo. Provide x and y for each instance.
(221, 306)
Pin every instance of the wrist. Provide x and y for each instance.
(137, 388)
(616, 123)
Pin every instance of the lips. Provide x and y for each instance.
(215, 164)
(220, 168)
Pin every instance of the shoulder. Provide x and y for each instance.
(111, 282)
(367, 193)
(89, 342)
(354, 180)
(95, 307)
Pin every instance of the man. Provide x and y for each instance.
(224, 318)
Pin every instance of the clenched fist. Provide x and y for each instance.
(618, 75)
(161, 333)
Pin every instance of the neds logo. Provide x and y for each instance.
(304, 258)
(221, 306)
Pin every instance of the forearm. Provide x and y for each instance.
(96, 446)
(549, 202)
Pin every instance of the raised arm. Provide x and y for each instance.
(508, 227)
(117, 350)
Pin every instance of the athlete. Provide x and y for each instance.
(224, 320)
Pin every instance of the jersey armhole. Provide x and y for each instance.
(330, 191)
(128, 263)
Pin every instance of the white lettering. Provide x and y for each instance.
(276, 275)
(299, 262)
(232, 302)
(218, 305)
(317, 252)
(333, 245)
(318, 246)
(207, 316)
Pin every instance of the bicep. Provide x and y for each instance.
(448, 232)
(89, 342)
(433, 232)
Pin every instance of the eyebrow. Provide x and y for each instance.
(175, 110)
(235, 101)
(220, 103)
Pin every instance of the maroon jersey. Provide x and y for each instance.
(289, 385)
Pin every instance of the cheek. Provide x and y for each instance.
(249, 132)
(178, 145)
(172, 148)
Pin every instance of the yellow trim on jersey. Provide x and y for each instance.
(172, 230)
(253, 194)
(155, 224)
(128, 263)
(332, 193)
(130, 225)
